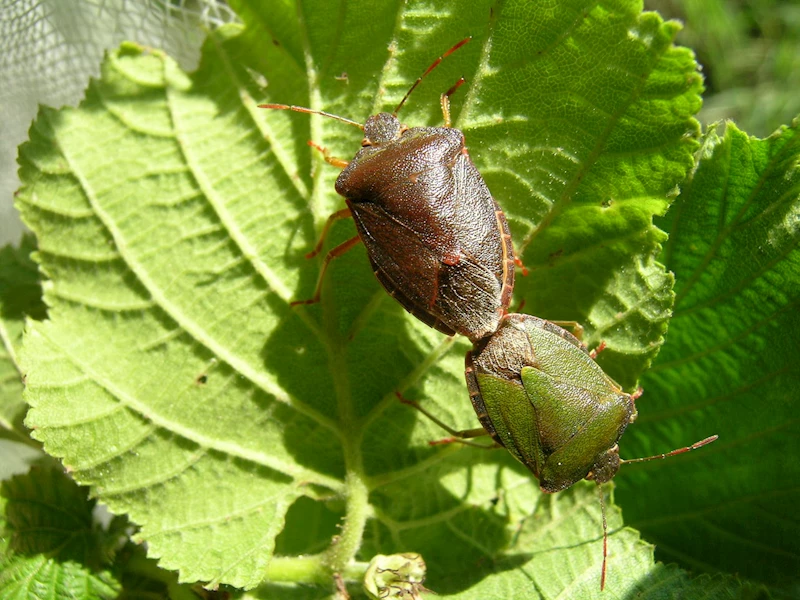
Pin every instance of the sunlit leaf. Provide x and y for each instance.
(172, 216)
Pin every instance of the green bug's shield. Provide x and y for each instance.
(540, 394)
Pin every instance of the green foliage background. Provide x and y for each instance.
(261, 447)
(750, 54)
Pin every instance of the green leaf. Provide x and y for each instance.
(539, 555)
(173, 215)
(730, 367)
(38, 577)
(20, 296)
(50, 545)
(46, 513)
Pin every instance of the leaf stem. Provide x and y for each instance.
(339, 556)
(343, 549)
(310, 570)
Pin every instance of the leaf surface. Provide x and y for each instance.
(730, 367)
(50, 548)
(173, 215)
(20, 296)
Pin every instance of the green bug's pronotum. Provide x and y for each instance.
(540, 394)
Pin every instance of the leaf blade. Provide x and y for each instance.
(179, 264)
(734, 238)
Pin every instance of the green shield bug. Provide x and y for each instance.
(539, 393)
(436, 239)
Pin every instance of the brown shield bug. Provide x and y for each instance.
(436, 239)
(540, 394)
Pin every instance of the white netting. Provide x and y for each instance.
(50, 48)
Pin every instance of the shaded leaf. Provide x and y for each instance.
(46, 513)
(50, 547)
(730, 367)
(38, 577)
(20, 297)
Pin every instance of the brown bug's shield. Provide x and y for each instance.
(435, 237)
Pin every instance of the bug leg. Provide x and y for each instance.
(465, 442)
(326, 154)
(461, 436)
(338, 251)
(521, 265)
(444, 100)
(577, 328)
(429, 69)
(339, 214)
(601, 346)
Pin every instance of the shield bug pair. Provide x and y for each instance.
(539, 393)
(436, 239)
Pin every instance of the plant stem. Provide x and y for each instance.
(345, 546)
(298, 569)
(310, 570)
(340, 555)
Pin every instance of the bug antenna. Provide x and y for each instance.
(428, 70)
(605, 536)
(694, 446)
(310, 111)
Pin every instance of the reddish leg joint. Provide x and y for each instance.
(598, 350)
(523, 268)
(336, 252)
(331, 160)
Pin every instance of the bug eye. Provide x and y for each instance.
(365, 142)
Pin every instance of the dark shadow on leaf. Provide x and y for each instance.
(463, 538)
(48, 513)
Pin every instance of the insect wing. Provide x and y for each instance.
(414, 274)
(480, 222)
(561, 356)
(487, 278)
(505, 403)
(402, 262)
(576, 426)
(469, 298)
